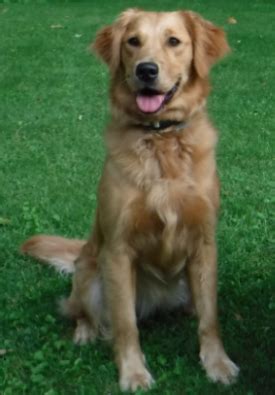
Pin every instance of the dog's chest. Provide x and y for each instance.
(169, 205)
(163, 221)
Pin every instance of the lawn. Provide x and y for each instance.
(53, 111)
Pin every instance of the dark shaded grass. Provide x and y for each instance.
(53, 110)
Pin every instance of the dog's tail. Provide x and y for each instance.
(56, 251)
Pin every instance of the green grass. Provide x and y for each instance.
(52, 113)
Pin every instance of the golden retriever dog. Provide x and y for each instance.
(153, 242)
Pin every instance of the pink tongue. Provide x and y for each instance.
(150, 103)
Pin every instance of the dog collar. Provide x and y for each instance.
(162, 126)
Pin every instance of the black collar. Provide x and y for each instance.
(162, 126)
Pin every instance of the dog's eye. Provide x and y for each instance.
(134, 41)
(173, 41)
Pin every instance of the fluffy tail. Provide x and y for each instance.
(56, 251)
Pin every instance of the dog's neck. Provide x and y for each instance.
(162, 126)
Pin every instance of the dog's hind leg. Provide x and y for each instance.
(86, 304)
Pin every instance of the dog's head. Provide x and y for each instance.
(156, 58)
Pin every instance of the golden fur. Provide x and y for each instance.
(153, 242)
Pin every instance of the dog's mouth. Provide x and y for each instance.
(150, 100)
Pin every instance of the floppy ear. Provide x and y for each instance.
(103, 44)
(107, 44)
(209, 42)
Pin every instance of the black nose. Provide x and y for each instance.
(147, 71)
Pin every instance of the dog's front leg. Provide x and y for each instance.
(202, 272)
(119, 279)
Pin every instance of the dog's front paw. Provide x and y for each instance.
(136, 380)
(134, 376)
(219, 367)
